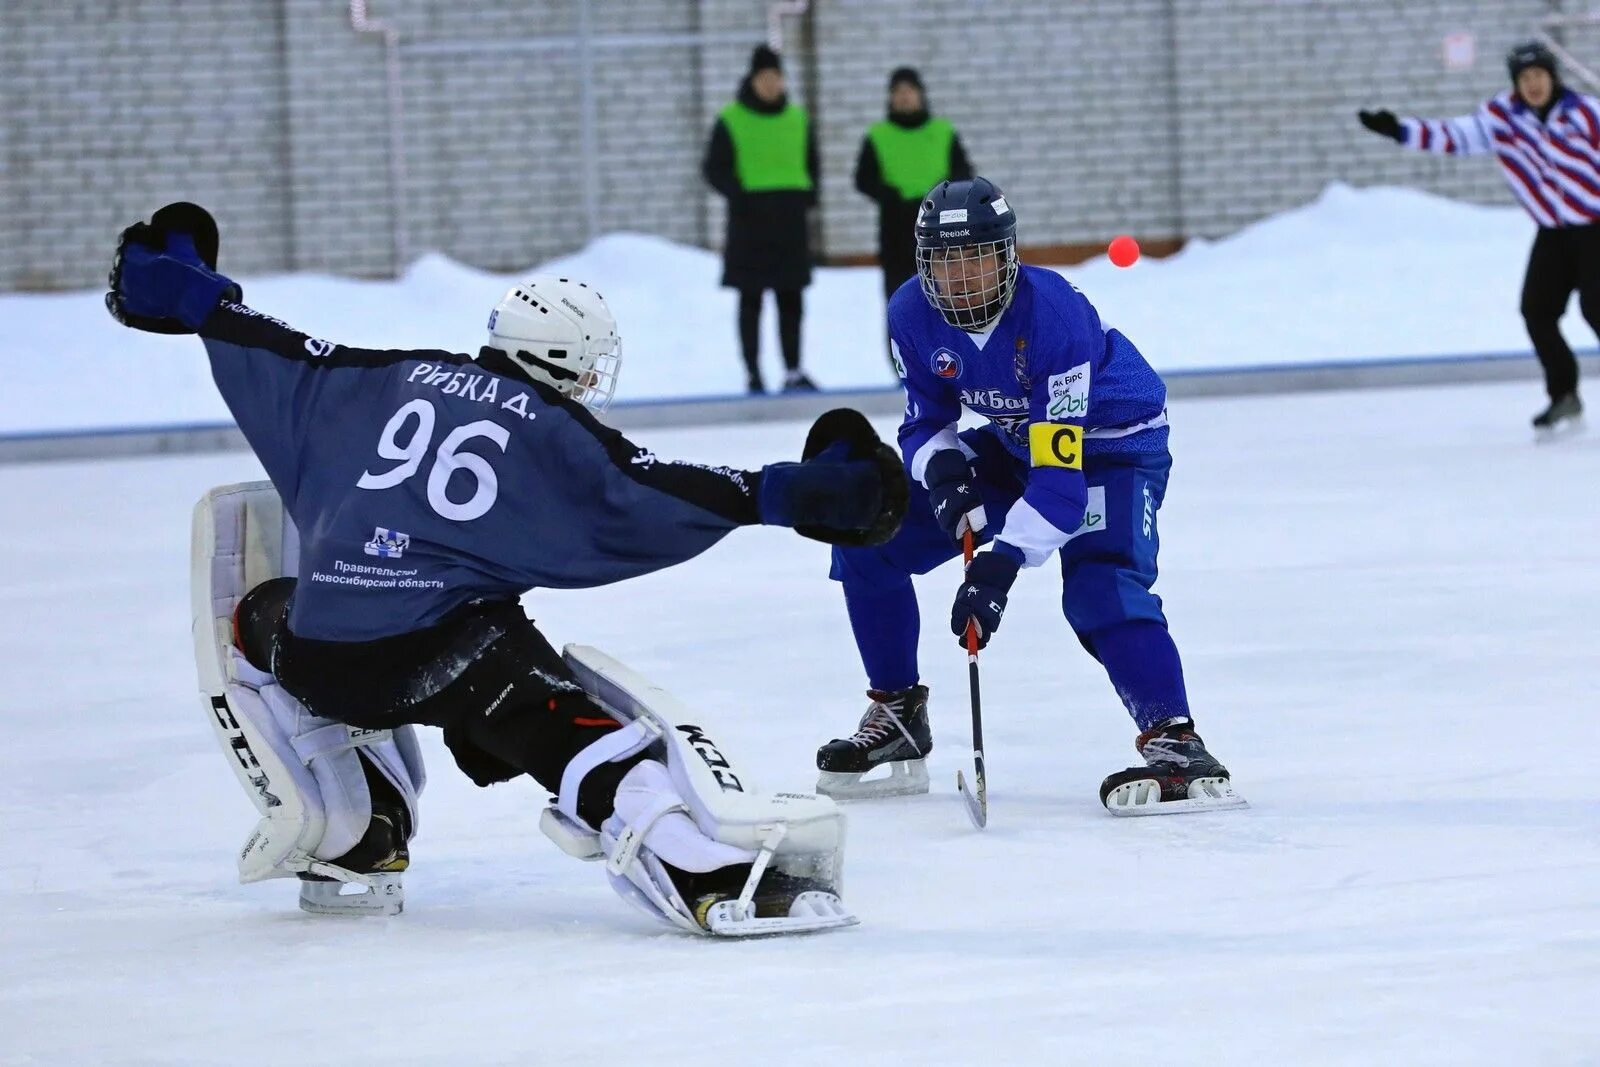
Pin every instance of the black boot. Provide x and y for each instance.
(1562, 409)
(1179, 775)
(381, 855)
(893, 733)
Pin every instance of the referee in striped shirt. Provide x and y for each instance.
(1546, 139)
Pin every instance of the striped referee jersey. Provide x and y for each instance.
(1553, 166)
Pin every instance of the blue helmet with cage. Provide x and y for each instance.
(967, 252)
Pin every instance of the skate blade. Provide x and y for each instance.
(1560, 431)
(810, 912)
(906, 778)
(385, 896)
(1143, 797)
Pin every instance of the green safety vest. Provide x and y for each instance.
(769, 151)
(913, 161)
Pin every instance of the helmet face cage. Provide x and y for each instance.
(596, 385)
(970, 284)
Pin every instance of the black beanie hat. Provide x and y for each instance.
(907, 76)
(764, 58)
(1527, 54)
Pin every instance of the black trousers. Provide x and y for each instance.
(790, 307)
(1562, 260)
(507, 702)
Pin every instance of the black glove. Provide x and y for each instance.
(829, 489)
(982, 596)
(953, 492)
(848, 489)
(1382, 122)
(163, 278)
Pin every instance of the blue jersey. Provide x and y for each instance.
(1058, 389)
(420, 481)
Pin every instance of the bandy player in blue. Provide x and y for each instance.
(1072, 463)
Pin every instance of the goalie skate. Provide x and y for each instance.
(692, 842)
(894, 735)
(1180, 776)
(769, 915)
(761, 900)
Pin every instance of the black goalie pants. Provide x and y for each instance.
(485, 675)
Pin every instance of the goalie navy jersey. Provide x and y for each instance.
(1057, 387)
(420, 481)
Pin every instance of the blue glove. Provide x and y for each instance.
(953, 493)
(982, 596)
(161, 283)
(826, 490)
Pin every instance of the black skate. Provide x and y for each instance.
(895, 734)
(376, 861)
(1179, 775)
(781, 904)
(1565, 413)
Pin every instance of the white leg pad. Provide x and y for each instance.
(302, 772)
(691, 807)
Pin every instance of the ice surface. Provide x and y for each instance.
(1357, 274)
(1386, 605)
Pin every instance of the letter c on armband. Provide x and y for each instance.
(1056, 444)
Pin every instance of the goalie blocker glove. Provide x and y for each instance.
(848, 489)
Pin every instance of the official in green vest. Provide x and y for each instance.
(903, 157)
(762, 156)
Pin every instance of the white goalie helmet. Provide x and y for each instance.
(561, 333)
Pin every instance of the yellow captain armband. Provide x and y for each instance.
(1056, 444)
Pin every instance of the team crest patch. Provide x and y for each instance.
(389, 544)
(946, 364)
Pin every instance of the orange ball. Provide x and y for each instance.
(1123, 251)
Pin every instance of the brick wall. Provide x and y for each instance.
(1164, 118)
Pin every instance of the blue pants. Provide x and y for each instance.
(1107, 569)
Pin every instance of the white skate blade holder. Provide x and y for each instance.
(1143, 797)
(906, 778)
(810, 912)
(795, 833)
(351, 894)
